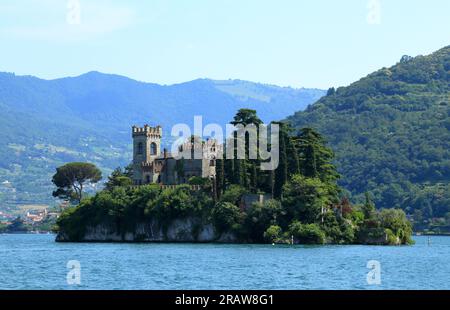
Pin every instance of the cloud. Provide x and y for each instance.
(56, 20)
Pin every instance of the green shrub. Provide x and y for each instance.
(259, 217)
(233, 194)
(391, 237)
(273, 233)
(226, 217)
(307, 233)
(395, 220)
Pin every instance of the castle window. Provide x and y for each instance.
(140, 148)
(148, 179)
(212, 163)
(153, 149)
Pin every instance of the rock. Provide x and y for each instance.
(179, 230)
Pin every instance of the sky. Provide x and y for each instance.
(297, 43)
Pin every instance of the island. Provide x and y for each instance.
(161, 197)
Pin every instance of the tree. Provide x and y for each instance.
(17, 225)
(331, 91)
(118, 178)
(233, 194)
(128, 171)
(71, 178)
(246, 117)
(305, 199)
(281, 173)
(273, 233)
(243, 169)
(226, 216)
(396, 221)
(368, 207)
(307, 233)
(220, 177)
(310, 167)
(260, 217)
(316, 159)
(253, 177)
(241, 172)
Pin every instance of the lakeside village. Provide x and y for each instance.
(203, 196)
(30, 219)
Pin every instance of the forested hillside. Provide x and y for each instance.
(391, 134)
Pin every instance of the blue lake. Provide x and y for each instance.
(37, 262)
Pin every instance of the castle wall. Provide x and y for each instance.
(150, 167)
(169, 175)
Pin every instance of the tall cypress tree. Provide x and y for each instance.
(220, 177)
(244, 173)
(316, 159)
(254, 176)
(281, 173)
(293, 164)
(314, 156)
(240, 173)
(309, 162)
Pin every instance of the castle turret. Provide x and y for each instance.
(146, 148)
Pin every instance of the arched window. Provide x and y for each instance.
(140, 148)
(153, 149)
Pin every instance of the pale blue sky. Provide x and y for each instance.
(300, 43)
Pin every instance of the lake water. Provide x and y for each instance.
(37, 262)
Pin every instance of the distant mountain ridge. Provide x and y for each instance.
(47, 122)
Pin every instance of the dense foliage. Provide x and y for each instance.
(124, 207)
(391, 134)
(306, 207)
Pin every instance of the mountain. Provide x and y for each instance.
(391, 134)
(45, 123)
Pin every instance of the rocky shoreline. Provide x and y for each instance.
(188, 230)
(182, 231)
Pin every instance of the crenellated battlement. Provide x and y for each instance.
(153, 164)
(147, 166)
(155, 132)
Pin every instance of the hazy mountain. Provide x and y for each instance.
(391, 133)
(44, 123)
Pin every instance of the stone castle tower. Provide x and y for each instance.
(146, 148)
(152, 165)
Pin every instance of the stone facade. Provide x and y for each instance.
(153, 165)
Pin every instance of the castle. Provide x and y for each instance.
(153, 165)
